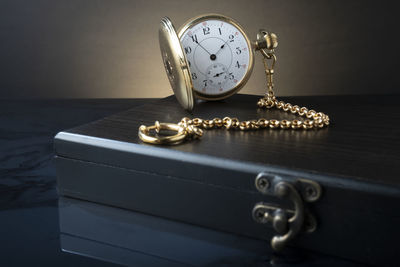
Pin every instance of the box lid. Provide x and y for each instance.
(361, 144)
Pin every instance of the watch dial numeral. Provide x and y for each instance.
(189, 63)
(188, 50)
(231, 38)
(194, 75)
(194, 38)
(231, 76)
(237, 65)
(219, 29)
(206, 30)
(238, 50)
(205, 83)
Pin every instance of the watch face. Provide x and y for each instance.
(219, 55)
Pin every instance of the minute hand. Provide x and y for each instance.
(203, 48)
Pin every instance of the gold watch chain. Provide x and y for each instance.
(315, 120)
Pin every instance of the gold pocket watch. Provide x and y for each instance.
(211, 58)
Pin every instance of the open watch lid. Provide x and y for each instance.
(176, 64)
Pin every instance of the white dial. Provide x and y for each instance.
(219, 56)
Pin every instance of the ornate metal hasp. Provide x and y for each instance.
(288, 223)
(188, 128)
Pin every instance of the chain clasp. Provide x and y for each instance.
(163, 137)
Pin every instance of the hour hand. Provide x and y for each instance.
(222, 46)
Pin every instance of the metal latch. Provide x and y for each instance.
(286, 222)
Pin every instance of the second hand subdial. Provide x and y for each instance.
(217, 75)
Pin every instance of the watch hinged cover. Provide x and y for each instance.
(176, 64)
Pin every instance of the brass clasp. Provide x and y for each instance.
(287, 223)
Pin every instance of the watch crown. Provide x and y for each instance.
(266, 40)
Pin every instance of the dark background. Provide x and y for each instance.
(102, 48)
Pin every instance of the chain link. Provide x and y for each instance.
(314, 119)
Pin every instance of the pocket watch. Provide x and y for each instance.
(211, 58)
(219, 55)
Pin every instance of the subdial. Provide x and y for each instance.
(217, 75)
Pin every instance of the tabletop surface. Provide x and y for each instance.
(362, 141)
(30, 233)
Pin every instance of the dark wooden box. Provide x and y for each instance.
(211, 182)
(136, 239)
